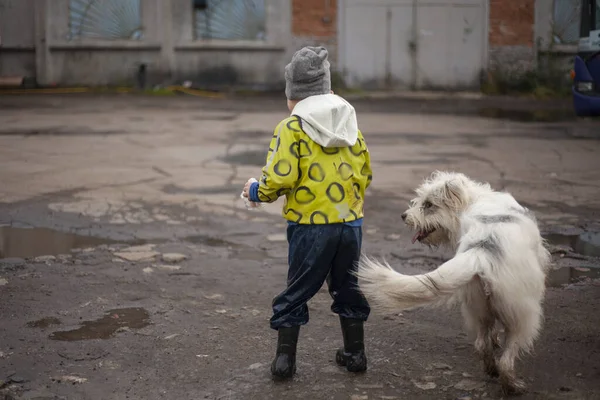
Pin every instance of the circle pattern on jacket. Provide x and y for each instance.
(330, 150)
(294, 125)
(316, 172)
(283, 167)
(345, 171)
(357, 149)
(295, 214)
(356, 187)
(318, 217)
(300, 149)
(304, 195)
(364, 171)
(335, 192)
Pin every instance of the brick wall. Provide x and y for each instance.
(511, 35)
(511, 31)
(314, 23)
(512, 23)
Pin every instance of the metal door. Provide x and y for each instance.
(419, 44)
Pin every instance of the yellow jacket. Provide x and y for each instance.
(319, 160)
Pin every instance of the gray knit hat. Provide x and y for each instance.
(308, 74)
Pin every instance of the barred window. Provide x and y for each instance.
(229, 19)
(567, 16)
(105, 19)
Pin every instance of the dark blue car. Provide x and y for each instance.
(586, 72)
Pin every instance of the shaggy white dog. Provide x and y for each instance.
(497, 274)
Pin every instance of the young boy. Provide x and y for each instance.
(319, 160)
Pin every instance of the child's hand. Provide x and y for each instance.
(246, 191)
(246, 195)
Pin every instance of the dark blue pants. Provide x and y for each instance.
(318, 253)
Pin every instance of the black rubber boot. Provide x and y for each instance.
(352, 356)
(284, 364)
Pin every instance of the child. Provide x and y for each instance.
(319, 160)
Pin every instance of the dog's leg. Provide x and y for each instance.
(492, 340)
(481, 322)
(511, 385)
(522, 322)
(486, 344)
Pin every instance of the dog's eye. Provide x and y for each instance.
(427, 204)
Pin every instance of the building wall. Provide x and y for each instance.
(512, 35)
(253, 65)
(513, 29)
(168, 48)
(315, 23)
(34, 42)
(544, 16)
(17, 38)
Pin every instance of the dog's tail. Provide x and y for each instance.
(392, 291)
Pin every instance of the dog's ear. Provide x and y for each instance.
(453, 195)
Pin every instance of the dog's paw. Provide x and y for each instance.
(489, 366)
(491, 370)
(514, 387)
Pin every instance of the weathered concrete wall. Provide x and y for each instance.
(511, 35)
(173, 55)
(521, 40)
(96, 67)
(255, 69)
(17, 63)
(17, 38)
(554, 60)
(248, 64)
(97, 62)
(544, 17)
(168, 48)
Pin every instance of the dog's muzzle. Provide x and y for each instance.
(422, 234)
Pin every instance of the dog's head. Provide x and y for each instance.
(434, 214)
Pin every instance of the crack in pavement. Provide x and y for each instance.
(161, 171)
(559, 154)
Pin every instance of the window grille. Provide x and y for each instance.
(229, 19)
(105, 19)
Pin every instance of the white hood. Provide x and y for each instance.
(328, 120)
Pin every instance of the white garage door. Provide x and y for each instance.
(419, 44)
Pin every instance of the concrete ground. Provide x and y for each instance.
(131, 270)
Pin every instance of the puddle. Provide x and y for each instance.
(211, 241)
(551, 115)
(585, 244)
(238, 251)
(44, 322)
(105, 327)
(34, 242)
